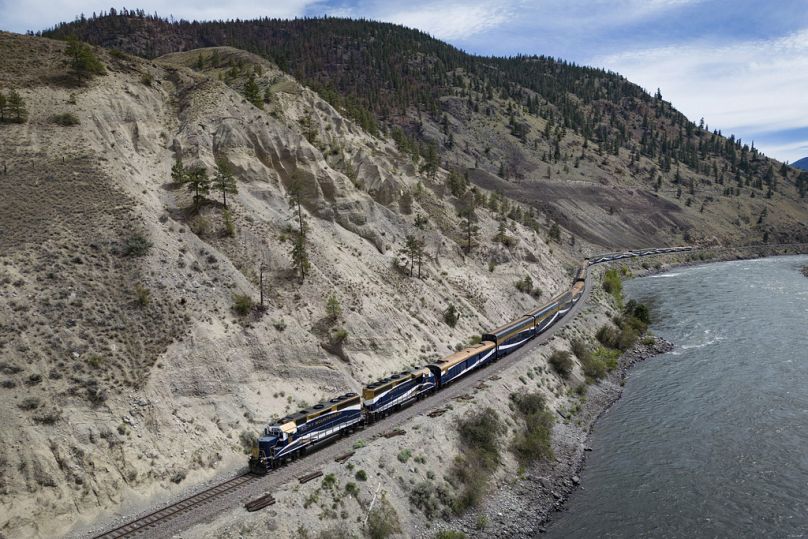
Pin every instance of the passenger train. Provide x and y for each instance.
(292, 436)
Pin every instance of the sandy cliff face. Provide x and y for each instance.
(125, 371)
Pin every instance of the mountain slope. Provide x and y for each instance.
(616, 165)
(126, 371)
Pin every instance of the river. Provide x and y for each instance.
(711, 439)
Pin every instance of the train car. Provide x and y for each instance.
(544, 316)
(292, 435)
(580, 275)
(387, 394)
(456, 365)
(511, 336)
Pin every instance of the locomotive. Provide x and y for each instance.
(294, 435)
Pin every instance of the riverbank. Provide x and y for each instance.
(805, 270)
(525, 507)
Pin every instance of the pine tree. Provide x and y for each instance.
(198, 183)
(3, 104)
(82, 59)
(178, 172)
(468, 218)
(300, 256)
(253, 93)
(16, 107)
(223, 181)
(333, 308)
(411, 249)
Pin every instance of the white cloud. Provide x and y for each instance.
(752, 87)
(22, 15)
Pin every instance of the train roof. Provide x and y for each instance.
(509, 327)
(395, 379)
(462, 355)
(303, 415)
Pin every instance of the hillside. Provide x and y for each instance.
(127, 371)
(801, 164)
(615, 165)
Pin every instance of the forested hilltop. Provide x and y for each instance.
(554, 134)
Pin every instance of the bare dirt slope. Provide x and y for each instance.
(125, 372)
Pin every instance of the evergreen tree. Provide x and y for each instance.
(332, 308)
(410, 250)
(198, 183)
(223, 181)
(468, 218)
(3, 105)
(178, 172)
(253, 93)
(16, 107)
(300, 256)
(82, 59)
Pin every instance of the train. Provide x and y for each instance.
(294, 435)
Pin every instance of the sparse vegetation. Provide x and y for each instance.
(333, 309)
(242, 304)
(613, 285)
(65, 119)
(382, 520)
(142, 295)
(137, 245)
(82, 60)
(561, 362)
(534, 441)
(451, 315)
(361, 475)
(480, 435)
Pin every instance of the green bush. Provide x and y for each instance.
(534, 441)
(480, 436)
(382, 521)
(242, 304)
(137, 245)
(451, 315)
(65, 119)
(404, 455)
(361, 475)
(561, 363)
(450, 534)
(613, 285)
(594, 366)
(431, 500)
(524, 285)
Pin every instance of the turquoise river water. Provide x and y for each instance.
(711, 439)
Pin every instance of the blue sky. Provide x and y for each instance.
(742, 65)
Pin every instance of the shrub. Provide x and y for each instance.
(29, 403)
(65, 119)
(338, 336)
(561, 363)
(613, 285)
(450, 534)
(480, 435)
(524, 285)
(229, 225)
(382, 521)
(361, 475)
(594, 366)
(137, 245)
(431, 500)
(451, 315)
(352, 489)
(404, 455)
(534, 441)
(142, 295)
(279, 324)
(242, 304)
(147, 79)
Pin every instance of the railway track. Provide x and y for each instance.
(152, 520)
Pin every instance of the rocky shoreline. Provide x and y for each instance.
(527, 506)
(805, 270)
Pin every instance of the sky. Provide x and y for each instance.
(742, 65)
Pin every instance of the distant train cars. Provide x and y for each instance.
(291, 436)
